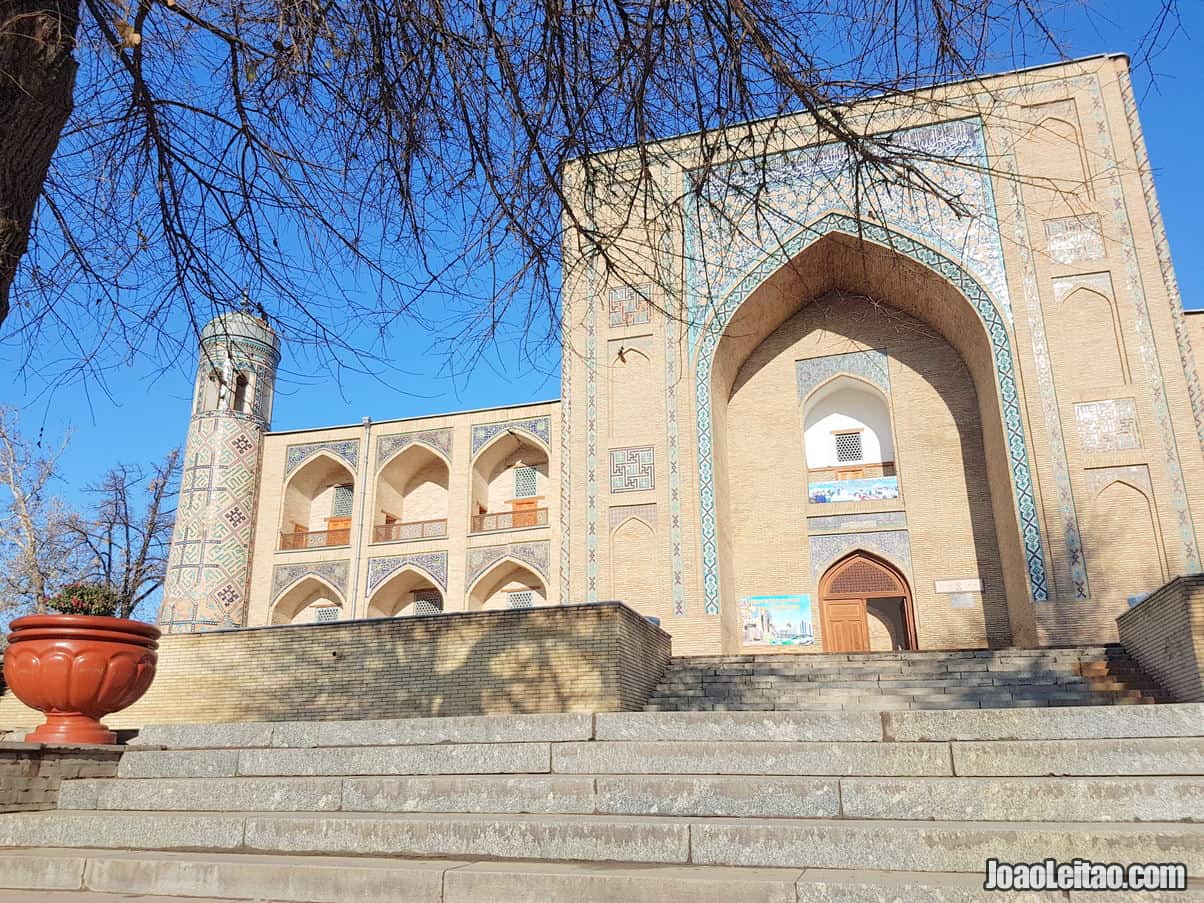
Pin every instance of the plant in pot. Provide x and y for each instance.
(80, 664)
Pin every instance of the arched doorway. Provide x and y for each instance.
(865, 606)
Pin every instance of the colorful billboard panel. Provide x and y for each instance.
(863, 490)
(777, 620)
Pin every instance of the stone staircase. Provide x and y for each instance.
(996, 678)
(698, 807)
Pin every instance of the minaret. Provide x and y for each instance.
(209, 566)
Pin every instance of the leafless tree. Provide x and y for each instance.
(123, 541)
(370, 160)
(37, 551)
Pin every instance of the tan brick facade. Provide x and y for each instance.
(1027, 459)
(602, 658)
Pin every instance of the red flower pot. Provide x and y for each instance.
(77, 669)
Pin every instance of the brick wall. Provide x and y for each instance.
(601, 658)
(30, 773)
(1165, 633)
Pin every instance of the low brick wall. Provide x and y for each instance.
(1165, 634)
(30, 773)
(573, 658)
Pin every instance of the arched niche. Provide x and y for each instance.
(510, 484)
(508, 584)
(317, 507)
(411, 496)
(408, 592)
(895, 275)
(310, 600)
(848, 440)
(1125, 558)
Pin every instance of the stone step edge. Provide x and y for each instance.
(1078, 722)
(1178, 798)
(105, 875)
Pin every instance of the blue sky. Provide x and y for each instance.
(142, 411)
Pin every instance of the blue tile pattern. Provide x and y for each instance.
(539, 427)
(433, 564)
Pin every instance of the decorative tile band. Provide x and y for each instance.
(566, 456)
(433, 564)
(848, 523)
(347, 449)
(388, 446)
(751, 205)
(331, 572)
(539, 427)
(533, 554)
(1164, 256)
(996, 329)
(591, 435)
(868, 365)
(1147, 348)
(1072, 539)
(893, 545)
(1072, 239)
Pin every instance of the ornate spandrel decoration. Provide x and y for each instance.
(893, 545)
(868, 365)
(539, 427)
(388, 446)
(432, 563)
(333, 572)
(347, 449)
(534, 554)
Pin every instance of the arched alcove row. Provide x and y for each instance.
(317, 507)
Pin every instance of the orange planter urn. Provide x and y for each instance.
(77, 669)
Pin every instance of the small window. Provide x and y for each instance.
(240, 394)
(522, 599)
(848, 447)
(525, 482)
(341, 506)
(427, 602)
(326, 614)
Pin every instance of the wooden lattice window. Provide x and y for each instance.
(522, 599)
(428, 602)
(861, 577)
(526, 482)
(848, 447)
(326, 614)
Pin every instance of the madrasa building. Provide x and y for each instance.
(966, 417)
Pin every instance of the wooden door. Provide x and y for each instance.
(522, 512)
(844, 593)
(338, 531)
(845, 626)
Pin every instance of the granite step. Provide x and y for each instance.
(937, 798)
(110, 876)
(773, 843)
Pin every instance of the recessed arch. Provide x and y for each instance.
(510, 483)
(504, 584)
(866, 606)
(839, 251)
(317, 503)
(409, 590)
(301, 602)
(411, 495)
(848, 440)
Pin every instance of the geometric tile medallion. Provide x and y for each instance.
(1109, 425)
(629, 305)
(632, 469)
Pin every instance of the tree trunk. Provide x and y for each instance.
(37, 77)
